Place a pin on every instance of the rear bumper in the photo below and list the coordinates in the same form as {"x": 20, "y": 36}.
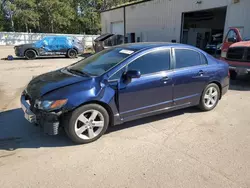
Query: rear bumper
{"x": 49, "y": 121}
{"x": 246, "y": 69}
{"x": 224, "y": 90}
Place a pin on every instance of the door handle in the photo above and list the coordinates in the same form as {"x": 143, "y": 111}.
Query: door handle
{"x": 201, "y": 73}
{"x": 165, "y": 78}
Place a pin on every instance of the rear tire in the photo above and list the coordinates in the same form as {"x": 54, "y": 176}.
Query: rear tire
{"x": 30, "y": 54}
{"x": 72, "y": 53}
{"x": 210, "y": 97}
{"x": 87, "y": 123}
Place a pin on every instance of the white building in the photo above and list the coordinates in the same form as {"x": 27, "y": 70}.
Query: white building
{"x": 187, "y": 21}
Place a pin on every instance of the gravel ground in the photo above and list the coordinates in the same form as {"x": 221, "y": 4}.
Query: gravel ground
{"x": 186, "y": 148}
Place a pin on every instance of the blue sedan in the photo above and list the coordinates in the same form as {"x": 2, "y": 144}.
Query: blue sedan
{"x": 121, "y": 84}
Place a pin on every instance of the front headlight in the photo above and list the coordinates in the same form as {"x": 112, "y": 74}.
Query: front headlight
{"x": 50, "y": 105}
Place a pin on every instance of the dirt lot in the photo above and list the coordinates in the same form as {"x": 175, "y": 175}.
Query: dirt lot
{"x": 180, "y": 149}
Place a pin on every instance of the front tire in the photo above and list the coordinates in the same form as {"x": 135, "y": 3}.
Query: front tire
{"x": 210, "y": 97}
{"x": 30, "y": 54}
{"x": 87, "y": 123}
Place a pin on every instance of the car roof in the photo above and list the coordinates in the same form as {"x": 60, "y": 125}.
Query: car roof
{"x": 58, "y": 36}
{"x": 150, "y": 45}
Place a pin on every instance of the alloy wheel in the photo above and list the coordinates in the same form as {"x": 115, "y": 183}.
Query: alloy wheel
{"x": 89, "y": 124}
{"x": 211, "y": 97}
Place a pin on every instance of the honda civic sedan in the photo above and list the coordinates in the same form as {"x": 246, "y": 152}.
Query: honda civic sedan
{"x": 121, "y": 84}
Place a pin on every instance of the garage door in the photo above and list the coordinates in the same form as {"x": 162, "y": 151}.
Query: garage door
{"x": 117, "y": 28}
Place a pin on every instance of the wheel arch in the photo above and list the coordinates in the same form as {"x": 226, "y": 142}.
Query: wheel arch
{"x": 105, "y": 106}
{"x": 75, "y": 49}
{"x": 30, "y": 49}
{"x": 218, "y": 84}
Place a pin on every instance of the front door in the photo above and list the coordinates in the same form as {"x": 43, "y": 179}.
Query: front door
{"x": 152, "y": 91}
{"x": 191, "y": 74}
{"x": 46, "y": 46}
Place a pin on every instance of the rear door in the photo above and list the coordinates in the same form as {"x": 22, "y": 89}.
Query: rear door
{"x": 60, "y": 45}
{"x": 232, "y": 36}
{"x": 191, "y": 75}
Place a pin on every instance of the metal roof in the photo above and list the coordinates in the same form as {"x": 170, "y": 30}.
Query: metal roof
{"x": 125, "y": 5}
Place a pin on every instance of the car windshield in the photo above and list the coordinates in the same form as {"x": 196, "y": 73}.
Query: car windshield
{"x": 101, "y": 62}
{"x": 76, "y": 40}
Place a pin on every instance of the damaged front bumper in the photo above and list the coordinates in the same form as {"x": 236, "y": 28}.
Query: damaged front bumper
{"x": 49, "y": 121}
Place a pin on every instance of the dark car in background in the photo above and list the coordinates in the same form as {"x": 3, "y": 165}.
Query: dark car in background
{"x": 121, "y": 84}
{"x": 50, "y": 46}
{"x": 107, "y": 40}
{"x": 213, "y": 49}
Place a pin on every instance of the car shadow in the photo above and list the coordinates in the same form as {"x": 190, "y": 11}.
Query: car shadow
{"x": 242, "y": 83}
{"x": 16, "y": 132}
{"x": 85, "y": 55}
{"x": 150, "y": 119}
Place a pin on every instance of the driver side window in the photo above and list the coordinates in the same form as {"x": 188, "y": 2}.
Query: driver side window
{"x": 152, "y": 62}
{"x": 149, "y": 63}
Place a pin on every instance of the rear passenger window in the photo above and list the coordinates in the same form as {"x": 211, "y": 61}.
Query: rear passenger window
{"x": 187, "y": 58}
{"x": 203, "y": 59}
{"x": 152, "y": 62}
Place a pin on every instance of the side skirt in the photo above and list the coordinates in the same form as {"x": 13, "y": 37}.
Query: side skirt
{"x": 155, "y": 112}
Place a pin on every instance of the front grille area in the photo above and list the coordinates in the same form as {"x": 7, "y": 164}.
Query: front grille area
{"x": 248, "y": 54}
{"x": 236, "y": 53}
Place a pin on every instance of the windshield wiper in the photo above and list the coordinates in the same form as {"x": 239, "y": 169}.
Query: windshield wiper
{"x": 77, "y": 72}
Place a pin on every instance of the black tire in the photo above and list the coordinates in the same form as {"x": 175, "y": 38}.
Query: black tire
{"x": 70, "y": 121}
{"x": 233, "y": 75}
{"x": 203, "y": 101}
{"x": 30, "y": 54}
{"x": 72, "y": 53}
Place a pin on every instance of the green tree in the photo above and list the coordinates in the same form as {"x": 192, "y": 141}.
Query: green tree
{"x": 25, "y": 14}
{"x": 56, "y": 15}
{"x": 2, "y": 20}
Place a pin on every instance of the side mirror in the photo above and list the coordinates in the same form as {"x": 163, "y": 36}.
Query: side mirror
{"x": 233, "y": 40}
{"x": 127, "y": 76}
{"x": 132, "y": 74}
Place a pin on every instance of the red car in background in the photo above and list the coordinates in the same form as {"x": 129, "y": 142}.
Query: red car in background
{"x": 236, "y": 52}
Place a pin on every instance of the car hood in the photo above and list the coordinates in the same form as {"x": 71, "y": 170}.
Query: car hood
{"x": 48, "y": 82}
{"x": 241, "y": 44}
{"x": 25, "y": 45}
